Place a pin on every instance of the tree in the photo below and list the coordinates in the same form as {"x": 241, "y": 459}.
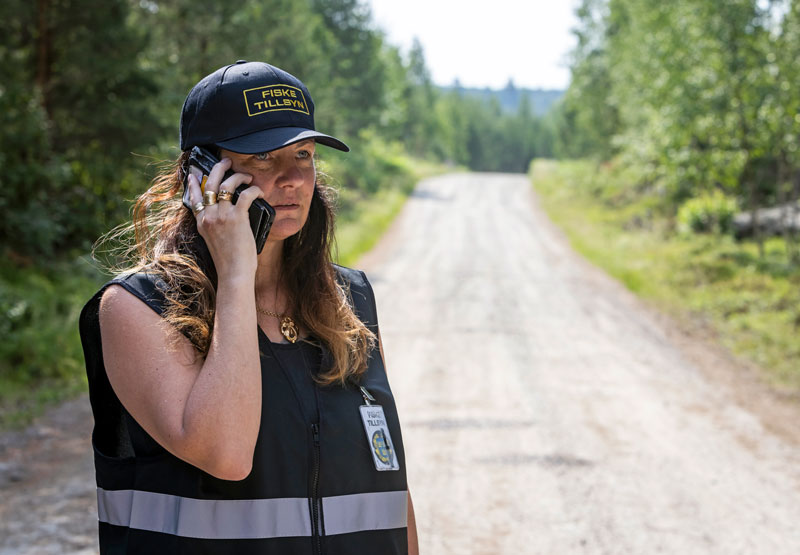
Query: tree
{"x": 420, "y": 134}
{"x": 76, "y": 103}
{"x": 588, "y": 116}
{"x": 354, "y": 75}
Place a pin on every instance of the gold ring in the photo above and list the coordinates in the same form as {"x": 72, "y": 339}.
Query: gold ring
{"x": 224, "y": 195}
{"x": 198, "y": 207}
{"x": 209, "y": 198}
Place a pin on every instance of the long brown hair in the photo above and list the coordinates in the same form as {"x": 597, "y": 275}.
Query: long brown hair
{"x": 162, "y": 239}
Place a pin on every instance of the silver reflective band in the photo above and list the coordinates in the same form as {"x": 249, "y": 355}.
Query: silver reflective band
{"x": 365, "y": 511}
{"x": 204, "y": 518}
{"x": 248, "y": 518}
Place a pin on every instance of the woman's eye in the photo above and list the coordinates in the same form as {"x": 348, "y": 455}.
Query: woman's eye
{"x": 304, "y": 154}
{"x": 262, "y": 156}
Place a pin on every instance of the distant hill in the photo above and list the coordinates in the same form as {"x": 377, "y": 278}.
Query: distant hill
{"x": 510, "y": 96}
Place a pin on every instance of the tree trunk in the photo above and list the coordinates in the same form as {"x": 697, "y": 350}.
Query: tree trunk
{"x": 783, "y": 200}
{"x": 44, "y": 48}
{"x": 794, "y": 199}
{"x": 757, "y": 235}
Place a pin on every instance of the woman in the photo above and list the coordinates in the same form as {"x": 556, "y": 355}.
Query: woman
{"x": 240, "y": 398}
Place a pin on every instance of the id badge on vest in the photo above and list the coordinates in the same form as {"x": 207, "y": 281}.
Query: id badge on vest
{"x": 379, "y": 439}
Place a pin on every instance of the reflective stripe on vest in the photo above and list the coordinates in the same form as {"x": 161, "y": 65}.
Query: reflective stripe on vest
{"x": 249, "y": 518}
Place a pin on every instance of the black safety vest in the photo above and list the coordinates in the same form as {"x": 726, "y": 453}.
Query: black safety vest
{"x": 314, "y": 487}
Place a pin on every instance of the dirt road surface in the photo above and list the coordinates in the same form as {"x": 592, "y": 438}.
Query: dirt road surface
{"x": 544, "y": 409}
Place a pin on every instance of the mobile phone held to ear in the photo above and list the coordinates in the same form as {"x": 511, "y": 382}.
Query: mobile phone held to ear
{"x": 200, "y": 162}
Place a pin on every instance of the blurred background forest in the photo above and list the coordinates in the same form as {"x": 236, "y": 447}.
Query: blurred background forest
{"x": 680, "y": 123}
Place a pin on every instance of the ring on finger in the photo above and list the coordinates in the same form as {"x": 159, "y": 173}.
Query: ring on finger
{"x": 209, "y": 198}
{"x": 198, "y": 207}
{"x": 224, "y": 195}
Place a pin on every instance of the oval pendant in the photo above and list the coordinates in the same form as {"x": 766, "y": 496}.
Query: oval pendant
{"x": 289, "y": 329}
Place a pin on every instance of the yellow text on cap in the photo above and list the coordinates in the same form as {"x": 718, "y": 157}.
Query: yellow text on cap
{"x": 274, "y": 97}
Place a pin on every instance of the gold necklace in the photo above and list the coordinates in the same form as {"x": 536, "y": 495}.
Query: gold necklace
{"x": 288, "y": 327}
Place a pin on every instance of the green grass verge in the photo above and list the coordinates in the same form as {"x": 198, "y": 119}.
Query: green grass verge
{"x": 365, "y": 222}
{"x": 753, "y": 303}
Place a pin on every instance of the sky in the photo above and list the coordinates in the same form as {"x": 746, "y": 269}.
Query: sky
{"x": 485, "y": 43}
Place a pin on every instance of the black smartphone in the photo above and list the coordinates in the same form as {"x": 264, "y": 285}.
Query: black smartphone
{"x": 201, "y": 161}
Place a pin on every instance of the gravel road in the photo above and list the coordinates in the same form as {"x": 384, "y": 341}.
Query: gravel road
{"x": 545, "y": 410}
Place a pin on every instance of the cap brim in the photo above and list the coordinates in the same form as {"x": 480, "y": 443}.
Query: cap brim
{"x": 279, "y": 137}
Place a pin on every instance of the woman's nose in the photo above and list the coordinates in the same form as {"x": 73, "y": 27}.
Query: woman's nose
{"x": 289, "y": 174}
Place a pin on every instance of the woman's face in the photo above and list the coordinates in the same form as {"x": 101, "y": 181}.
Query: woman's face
{"x": 287, "y": 177}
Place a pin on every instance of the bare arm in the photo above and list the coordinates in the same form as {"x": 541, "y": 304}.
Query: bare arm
{"x": 413, "y": 542}
{"x": 206, "y": 412}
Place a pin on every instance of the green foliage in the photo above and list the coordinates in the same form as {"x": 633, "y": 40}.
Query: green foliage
{"x": 586, "y": 118}
{"x": 698, "y": 96}
{"x": 752, "y": 301}
{"x": 377, "y": 164}
{"x": 40, "y": 307}
{"x": 354, "y": 74}
{"x": 709, "y": 213}
{"x": 510, "y": 97}
{"x": 41, "y": 359}
{"x": 62, "y": 156}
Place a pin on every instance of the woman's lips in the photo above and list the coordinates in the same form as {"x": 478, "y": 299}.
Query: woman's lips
{"x": 285, "y": 206}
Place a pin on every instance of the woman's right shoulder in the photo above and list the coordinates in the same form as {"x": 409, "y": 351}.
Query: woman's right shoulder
{"x": 131, "y": 290}
{"x": 123, "y": 309}
{"x": 130, "y": 313}
{"x": 115, "y": 298}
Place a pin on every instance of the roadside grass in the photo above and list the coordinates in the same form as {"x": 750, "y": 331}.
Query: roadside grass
{"x": 41, "y": 358}
{"x": 752, "y": 304}
{"x": 364, "y": 222}
{"x": 380, "y": 176}
{"x": 363, "y": 218}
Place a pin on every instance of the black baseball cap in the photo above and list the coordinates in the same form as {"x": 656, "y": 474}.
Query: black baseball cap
{"x": 250, "y": 107}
